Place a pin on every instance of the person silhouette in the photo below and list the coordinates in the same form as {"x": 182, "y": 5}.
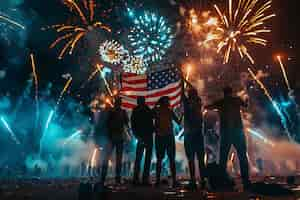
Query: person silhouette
{"x": 231, "y": 128}
{"x": 193, "y": 137}
{"x": 165, "y": 139}
{"x": 117, "y": 120}
{"x": 143, "y": 128}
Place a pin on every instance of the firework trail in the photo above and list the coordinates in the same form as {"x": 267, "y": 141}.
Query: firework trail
{"x": 11, "y": 21}
{"x": 104, "y": 79}
{"x": 66, "y": 87}
{"x": 36, "y": 89}
{"x": 93, "y": 74}
{"x": 260, "y": 136}
{"x": 284, "y": 73}
{"x": 12, "y": 134}
{"x": 93, "y": 159}
{"x": 49, "y": 119}
{"x": 73, "y": 33}
{"x": 73, "y": 136}
{"x": 241, "y": 26}
{"x": 274, "y": 104}
{"x": 53, "y": 111}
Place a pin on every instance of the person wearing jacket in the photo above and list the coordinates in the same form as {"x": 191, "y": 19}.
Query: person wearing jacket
{"x": 143, "y": 129}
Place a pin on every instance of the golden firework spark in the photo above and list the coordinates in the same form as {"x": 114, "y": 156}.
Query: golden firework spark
{"x": 98, "y": 66}
{"x": 243, "y": 25}
{"x": 35, "y": 77}
{"x": 66, "y": 87}
{"x": 284, "y": 73}
{"x": 73, "y": 33}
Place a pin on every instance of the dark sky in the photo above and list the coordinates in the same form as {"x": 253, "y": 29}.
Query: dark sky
{"x": 286, "y": 31}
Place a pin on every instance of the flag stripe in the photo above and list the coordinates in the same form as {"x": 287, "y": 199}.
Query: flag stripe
{"x": 158, "y": 92}
{"x": 152, "y": 86}
{"x": 152, "y": 101}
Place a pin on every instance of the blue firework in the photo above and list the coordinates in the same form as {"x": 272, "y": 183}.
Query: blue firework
{"x": 150, "y": 37}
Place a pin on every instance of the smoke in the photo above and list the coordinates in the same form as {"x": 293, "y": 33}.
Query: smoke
{"x": 44, "y": 147}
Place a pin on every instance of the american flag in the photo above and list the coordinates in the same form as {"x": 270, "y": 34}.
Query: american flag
{"x": 152, "y": 86}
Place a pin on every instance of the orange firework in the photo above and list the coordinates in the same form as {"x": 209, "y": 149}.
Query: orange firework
{"x": 73, "y": 33}
{"x": 242, "y": 25}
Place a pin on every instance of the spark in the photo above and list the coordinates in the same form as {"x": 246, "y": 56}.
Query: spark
{"x": 150, "y": 37}
{"x": 92, "y": 75}
{"x": 284, "y": 73}
{"x": 135, "y": 65}
{"x": 49, "y": 119}
{"x": 104, "y": 79}
{"x": 36, "y": 86}
{"x": 67, "y": 85}
{"x": 188, "y": 72}
{"x": 11, "y": 21}
{"x": 260, "y": 136}
{"x": 242, "y": 26}
{"x": 93, "y": 159}
{"x": 112, "y": 52}
{"x": 203, "y": 29}
{"x": 73, "y": 33}
{"x": 274, "y": 104}
{"x": 73, "y": 136}
{"x": 12, "y": 134}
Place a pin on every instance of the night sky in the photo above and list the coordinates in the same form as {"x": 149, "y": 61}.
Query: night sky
{"x": 285, "y": 38}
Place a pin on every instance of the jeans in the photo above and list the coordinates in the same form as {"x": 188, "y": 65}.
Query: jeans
{"x": 165, "y": 144}
{"x": 236, "y": 138}
{"x": 147, "y": 146}
{"x": 118, "y": 144}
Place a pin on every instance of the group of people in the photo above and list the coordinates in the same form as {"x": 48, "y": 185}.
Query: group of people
{"x": 146, "y": 122}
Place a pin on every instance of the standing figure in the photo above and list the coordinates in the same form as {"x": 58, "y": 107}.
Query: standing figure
{"x": 231, "y": 128}
{"x": 165, "y": 139}
{"x": 143, "y": 128}
{"x": 193, "y": 136}
{"x": 117, "y": 119}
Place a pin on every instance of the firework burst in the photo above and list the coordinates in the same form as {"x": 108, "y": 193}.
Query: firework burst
{"x": 241, "y": 26}
{"x": 150, "y": 37}
{"x": 135, "y": 65}
{"x": 112, "y": 52}
{"x": 72, "y": 33}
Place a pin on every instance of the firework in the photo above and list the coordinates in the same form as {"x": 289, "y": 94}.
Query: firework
{"x": 92, "y": 75}
{"x": 135, "y": 65}
{"x": 67, "y": 85}
{"x": 93, "y": 159}
{"x": 203, "y": 27}
{"x": 73, "y": 33}
{"x": 284, "y": 73}
{"x": 260, "y": 136}
{"x": 241, "y": 26}
{"x": 11, "y": 21}
{"x": 274, "y": 103}
{"x": 150, "y": 37}
{"x": 104, "y": 79}
{"x": 112, "y": 52}
{"x": 36, "y": 86}
{"x": 73, "y": 136}
{"x": 12, "y": 134}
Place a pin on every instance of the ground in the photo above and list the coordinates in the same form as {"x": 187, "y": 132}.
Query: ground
{"x": 59, "y": 189}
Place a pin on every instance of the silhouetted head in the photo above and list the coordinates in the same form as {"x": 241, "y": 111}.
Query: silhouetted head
{"x": 141, "y": 100}
{"x": 164, "y": 101}
{"x": 227, "y": 91}
{"x": 118, "y": 102}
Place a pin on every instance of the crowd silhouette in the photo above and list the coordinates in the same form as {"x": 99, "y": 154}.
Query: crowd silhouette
{"x": 153, "y": 128}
